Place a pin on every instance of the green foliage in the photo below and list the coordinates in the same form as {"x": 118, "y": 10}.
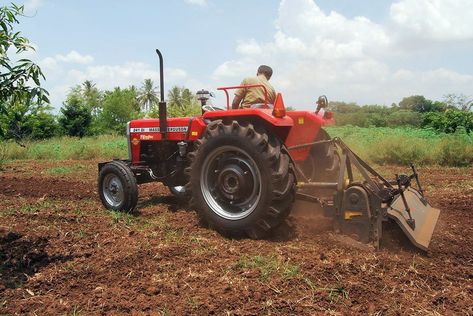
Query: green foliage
{"x": 147, "y": 97}
{"x": 119, "y": 107}
{"x": 22, "y": 121}
{"x": 268, "y": 266}
{"x": 76, "y": 116}
{"x": 373, "y": 115}
{"x": 449, "y": 121}
{"x": 19, "y": 79}
{"x": 91, "y": 96}
{"x": 41, "y": 125}
{"x": 419, "y": 103}
{"x": 181, "y": 103}
{"x": 66, "y": 148}
{"x": 400, "y": 146}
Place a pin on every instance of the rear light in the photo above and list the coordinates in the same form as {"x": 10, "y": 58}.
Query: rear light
{"x": 279, "y": 110}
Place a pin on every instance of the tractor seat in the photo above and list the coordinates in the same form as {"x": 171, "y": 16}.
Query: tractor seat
{"x": 261, "y": 106}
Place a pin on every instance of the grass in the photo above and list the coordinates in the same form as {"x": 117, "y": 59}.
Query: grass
{"x": 124, "y": 218}
{"x": 65, "y": 170}
{"x": 379, "y": 145}
{"x": 67, "y": 148}
{"x": 268, "y": 267}
{"x": 401, "y": 146}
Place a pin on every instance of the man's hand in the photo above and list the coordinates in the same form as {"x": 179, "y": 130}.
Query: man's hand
{"x": 236, "y": 102}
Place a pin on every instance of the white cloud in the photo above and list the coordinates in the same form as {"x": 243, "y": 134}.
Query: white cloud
{"x": 75, "y": 57}
{"x": 313, "y": 52}
{"x": 201, "y": 3}
{"x": 440, "y": 20}
{"x": 132, "y": 73}
{"x": 62, "y": 76}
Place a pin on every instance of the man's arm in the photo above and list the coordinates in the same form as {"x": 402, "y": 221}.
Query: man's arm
{"x": 239, "y": 96}
{"x": 236, "y": 101}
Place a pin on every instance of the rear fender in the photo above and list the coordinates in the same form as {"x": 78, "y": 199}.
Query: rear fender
{"x": 306, "y": 127}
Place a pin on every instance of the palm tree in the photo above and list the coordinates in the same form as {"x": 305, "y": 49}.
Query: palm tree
{"x": 175, "y": 97}
{"x": 147, "y": 96}
{"x": 92, "y": 96}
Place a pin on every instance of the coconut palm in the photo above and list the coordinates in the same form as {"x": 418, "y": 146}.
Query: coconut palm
{"x": 92, "y": 96}
{"x": 147, "y": 95}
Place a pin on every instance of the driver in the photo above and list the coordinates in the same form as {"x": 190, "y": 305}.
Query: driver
{"x": 246, "y": 97}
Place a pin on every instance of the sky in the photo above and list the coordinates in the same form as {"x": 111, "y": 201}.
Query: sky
{"x": 363, "y": 51}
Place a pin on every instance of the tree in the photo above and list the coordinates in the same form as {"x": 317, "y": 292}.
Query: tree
{"x": 19, "y": 79}
{"x": 417, "y": 103}
{"x": 181, "y": 102}
{"x": 20, "y": 121}
{"x": 76, "y": 116}
{"x": 458, "y": 101}
{"x": 119, "y": 107}
{"x": 92, "y": 97}
{"x": 147, "y": 96}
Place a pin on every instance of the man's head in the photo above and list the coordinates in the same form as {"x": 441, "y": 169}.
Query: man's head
{"x": 265, "y": 70}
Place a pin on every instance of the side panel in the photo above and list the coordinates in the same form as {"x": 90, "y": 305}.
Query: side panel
{"x": 306, "y": 127}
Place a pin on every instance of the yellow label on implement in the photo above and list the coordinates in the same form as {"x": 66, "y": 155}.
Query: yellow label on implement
{"x": 300, "y": 120}
{"x": 194, "y": 133}
{"x": 351, "y": 214}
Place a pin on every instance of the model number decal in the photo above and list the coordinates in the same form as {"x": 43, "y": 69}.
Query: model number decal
{"x": 170, "y": 129}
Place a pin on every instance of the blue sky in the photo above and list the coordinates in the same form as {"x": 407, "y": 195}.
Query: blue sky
{"x": 362, "y": 51}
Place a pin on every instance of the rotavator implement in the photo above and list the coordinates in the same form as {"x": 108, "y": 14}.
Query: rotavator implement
{"x": 243, "y": 169}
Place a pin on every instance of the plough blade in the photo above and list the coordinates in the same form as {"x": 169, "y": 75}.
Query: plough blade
{"x": 425, "y": 217}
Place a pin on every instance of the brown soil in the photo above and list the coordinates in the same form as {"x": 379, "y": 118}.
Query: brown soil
{"x": 62, "y": 253}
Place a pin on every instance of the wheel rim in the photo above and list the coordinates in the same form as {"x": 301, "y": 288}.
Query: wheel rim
{"x": 230, "y": 183}
{"x": 179, "y": 189}
{"x": 112, "y": 189}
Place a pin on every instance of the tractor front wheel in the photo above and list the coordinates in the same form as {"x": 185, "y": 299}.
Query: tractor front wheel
{"x": 242, "y": 180}
{"x": 117, "y": 187}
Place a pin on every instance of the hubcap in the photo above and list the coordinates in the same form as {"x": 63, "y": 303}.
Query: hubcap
{"x": 231, "y": 182}
{"x": 113, "y": 190}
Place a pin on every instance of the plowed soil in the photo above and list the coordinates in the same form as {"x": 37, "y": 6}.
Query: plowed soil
{"x": 62, "y": 253}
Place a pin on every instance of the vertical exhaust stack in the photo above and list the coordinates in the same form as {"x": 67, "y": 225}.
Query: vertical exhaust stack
{"x": 162, "y": 104}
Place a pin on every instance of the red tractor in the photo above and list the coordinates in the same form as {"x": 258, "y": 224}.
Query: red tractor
{"x": 240, "y": 170}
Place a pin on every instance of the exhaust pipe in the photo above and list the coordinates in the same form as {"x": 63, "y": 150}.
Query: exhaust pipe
{"x": 162, "y": 104}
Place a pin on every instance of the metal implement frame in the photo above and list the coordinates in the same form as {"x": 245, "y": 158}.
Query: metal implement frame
{"x": 381, "y": 195}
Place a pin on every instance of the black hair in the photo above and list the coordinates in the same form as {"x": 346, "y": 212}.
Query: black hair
{"x": 266, "y": 71}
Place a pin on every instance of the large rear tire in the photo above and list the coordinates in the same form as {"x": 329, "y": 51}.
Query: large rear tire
{"x": 242, "y": 180}
{"x": 117, "y": 187}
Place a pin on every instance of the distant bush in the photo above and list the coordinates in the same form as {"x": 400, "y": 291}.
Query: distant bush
{"x": 449, "y": 121}
{"x": 75, "y": 117}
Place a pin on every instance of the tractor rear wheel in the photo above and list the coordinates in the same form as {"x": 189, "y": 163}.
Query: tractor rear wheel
{"x": 117, "y": 187}
{"x": 242, "y": 180}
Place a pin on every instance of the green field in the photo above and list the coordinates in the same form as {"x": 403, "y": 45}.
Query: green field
{"x": 400, "y": 146}
{"x": 397, "y": 146}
